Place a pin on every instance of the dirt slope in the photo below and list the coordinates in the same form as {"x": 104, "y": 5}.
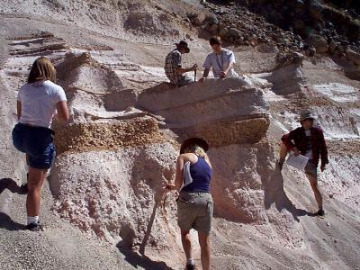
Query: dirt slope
{"x": 103, "y": 206}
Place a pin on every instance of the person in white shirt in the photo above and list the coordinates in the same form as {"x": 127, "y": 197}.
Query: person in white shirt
{"x": 37, "y": 103}
{"x": 221, "y": 61}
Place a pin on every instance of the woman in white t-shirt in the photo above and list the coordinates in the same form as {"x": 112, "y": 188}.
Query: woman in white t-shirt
{"x": 38, "y": 101}
{"x": 221, "y": 61}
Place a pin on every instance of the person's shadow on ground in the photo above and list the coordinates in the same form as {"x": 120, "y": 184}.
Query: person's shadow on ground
{"x": 275, "y": 193}
{"x": 137, "y": 260}
{"x": 5, "y": 221}
{"x": 10, "y": 184}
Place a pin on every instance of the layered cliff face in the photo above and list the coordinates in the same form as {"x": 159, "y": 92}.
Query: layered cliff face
{"x": 120, "y": 146}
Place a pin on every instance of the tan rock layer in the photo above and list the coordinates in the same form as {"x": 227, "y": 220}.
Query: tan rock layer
{"x": 83, "y": 137}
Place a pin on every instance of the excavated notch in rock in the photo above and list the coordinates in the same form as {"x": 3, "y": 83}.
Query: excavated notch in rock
{"x": 235, "y": 131}
{"x": 106, "y": 136}
{"x": 222, "y": 111}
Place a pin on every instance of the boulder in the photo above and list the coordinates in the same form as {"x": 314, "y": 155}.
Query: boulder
{"x": 353, "y": 56}
{"x": 319, "y": 43}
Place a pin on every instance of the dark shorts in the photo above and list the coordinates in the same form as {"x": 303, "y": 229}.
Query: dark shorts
{"x": 195, "y": 210}
{"x": 311, "y": 169}
{"x": 37, "y": 143}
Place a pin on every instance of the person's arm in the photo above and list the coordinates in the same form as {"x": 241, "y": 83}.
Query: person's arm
{"x": 62, "y": 111}
{"x": 323, "y": 152}
{"x": 228, "y": 68}
{"x": 181, "y": 70}
{"x": 179, "y": 172}
{"x": 18, "y": 109}
{"x": 224, "y": 73}
{"x": 205, "y": 74}
{"x": 176, "y": 185}
{"x": 177, "y": 64}
{"x": 287, "y": 140}
{"x": 207, "y": 66}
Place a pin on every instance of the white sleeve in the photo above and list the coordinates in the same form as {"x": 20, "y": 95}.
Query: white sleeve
{"x": 19, "y": 95}
{"x": 60, "y": 95}
{"x": 231, "y": 57}
{"x": 207, "y": 62}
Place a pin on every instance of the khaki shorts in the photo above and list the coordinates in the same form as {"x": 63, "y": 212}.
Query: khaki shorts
{"x": 195, "y": 210}
{"x": 311, "y": 169}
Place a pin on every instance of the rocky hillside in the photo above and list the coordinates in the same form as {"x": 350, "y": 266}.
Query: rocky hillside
{"x": 104, "y": 206}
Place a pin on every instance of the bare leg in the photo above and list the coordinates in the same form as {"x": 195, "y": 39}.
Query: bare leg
{"x": 315, "y": 188}
{"x": 204, "y": 241}
{"x": 185, "y": 238}
{"x": 34, "y": 183}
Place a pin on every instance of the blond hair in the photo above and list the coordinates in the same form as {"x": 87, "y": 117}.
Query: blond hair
{"x": 199, "y": 151}
{"x": 42, "y": 70}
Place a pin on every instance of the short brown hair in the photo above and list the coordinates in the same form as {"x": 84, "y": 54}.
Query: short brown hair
{"x": 41, "y": 70}
{"x": 215, "y": 40}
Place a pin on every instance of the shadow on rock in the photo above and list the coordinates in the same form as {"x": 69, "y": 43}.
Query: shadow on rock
{"x": 7, "y": 223}
{"x": 275, "y": 193}
{"x": 11, "y": 185}
{"x": 137, "y": 260}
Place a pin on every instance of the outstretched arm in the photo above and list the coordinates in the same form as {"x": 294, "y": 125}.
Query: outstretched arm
{"x": 205, "y": 74}
{"x": 176, "y": 185}
{"x": 62, "y": 111}
{"x": 181, "y": 70}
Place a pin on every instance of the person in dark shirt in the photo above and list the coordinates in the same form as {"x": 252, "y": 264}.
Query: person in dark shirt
{"x": 195, "y": 203}
{"x": 310, "y": 142}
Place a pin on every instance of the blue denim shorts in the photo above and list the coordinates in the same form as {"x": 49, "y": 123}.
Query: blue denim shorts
{"x": 37, "y": 143}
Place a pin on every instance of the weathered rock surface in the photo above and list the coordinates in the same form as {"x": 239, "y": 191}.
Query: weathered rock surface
{"x": 107, "y": 209}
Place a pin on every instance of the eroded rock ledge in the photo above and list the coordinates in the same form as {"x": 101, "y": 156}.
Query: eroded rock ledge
{"x": 83, "y": 137}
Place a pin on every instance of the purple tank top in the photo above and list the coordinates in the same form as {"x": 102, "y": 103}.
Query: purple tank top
{"x": 201, "y": 174}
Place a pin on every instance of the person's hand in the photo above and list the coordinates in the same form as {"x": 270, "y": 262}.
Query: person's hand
{"x": 194, "y": 67}
{"x": 296, "y": 151}
{"x": 170, "y": 187}
{"x": 322, "y": 167}
{"x": 222, "y": 74}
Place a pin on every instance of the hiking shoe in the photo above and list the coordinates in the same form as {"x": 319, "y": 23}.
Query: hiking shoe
{"x": 190, "y": 267}
{"x": 320, "y": 213}
{"x": 34, "y": 227}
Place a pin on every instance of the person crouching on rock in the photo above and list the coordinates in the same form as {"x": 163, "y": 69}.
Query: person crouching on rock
{"x": 310, "y": 142}
{"x": 37, "y": 102}
{"x": 221, "y": 61}
{"x": 173, "y": 65}
{"x": 195, "y": 204}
